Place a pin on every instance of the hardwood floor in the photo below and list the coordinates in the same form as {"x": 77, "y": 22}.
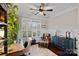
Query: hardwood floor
{"x": 56, "y": 51}
{"x": 60, "y": 52}
{"x": 17, "y": 53}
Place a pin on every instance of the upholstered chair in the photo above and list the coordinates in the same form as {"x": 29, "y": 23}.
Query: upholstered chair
{"x": 45, "y": 40}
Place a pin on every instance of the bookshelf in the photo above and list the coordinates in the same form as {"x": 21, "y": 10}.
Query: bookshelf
{"x": 3, "y": 27}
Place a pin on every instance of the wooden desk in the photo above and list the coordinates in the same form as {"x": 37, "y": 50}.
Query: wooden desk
{"x": 14, "y": 48}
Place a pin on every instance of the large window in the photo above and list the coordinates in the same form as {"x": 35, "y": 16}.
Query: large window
{"x": 33, "y": 29}
{"x": 29, "y": 28}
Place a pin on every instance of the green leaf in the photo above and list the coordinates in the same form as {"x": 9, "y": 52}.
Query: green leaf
{"x": 13, "y": 25}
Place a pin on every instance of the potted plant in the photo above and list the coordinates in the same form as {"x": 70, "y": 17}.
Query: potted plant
{"x": 13, "y": 23}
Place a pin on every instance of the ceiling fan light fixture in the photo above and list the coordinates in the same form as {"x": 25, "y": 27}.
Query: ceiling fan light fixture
{"x": 41, "y": 9}
{"x": 42, "y": 13}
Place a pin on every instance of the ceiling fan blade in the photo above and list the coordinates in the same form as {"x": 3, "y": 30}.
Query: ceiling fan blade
{"x": 44, "y": 14}
{"x": 36, "y": 13}
{"x": 33, "y": 9}
{"x": 49, "y": 10}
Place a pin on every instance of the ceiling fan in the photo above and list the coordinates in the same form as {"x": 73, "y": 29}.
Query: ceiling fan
{"x": 41, "y": 9}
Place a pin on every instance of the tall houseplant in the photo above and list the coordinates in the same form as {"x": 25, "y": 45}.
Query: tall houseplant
{"x": 12, "y": 21}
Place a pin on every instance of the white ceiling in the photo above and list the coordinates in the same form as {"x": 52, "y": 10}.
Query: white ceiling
{"x": 24, "y": 9}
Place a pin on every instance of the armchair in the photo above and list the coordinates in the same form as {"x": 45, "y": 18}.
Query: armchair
{"x": 45, "y": 40}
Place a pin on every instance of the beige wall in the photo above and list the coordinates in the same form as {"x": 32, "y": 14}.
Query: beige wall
{"x": 64, "y": 22}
